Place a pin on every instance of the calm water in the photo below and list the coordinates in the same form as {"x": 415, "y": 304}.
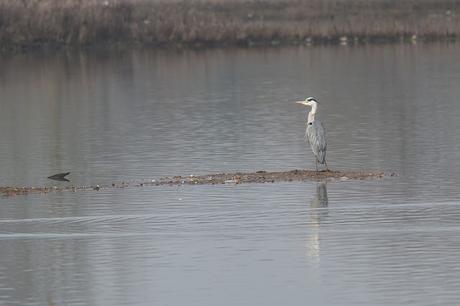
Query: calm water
{"x": 119, "y": 116}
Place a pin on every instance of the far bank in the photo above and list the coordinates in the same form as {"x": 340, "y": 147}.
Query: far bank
{"x": 224, "y": 22}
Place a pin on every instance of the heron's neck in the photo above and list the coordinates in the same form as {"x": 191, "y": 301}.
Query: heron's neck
{"x": 312, "y": 113}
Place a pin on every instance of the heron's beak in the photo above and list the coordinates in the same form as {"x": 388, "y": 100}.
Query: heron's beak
{"x": 302, "y": 102}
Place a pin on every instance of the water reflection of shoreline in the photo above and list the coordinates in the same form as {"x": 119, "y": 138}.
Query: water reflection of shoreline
{"x": 318, "y": 213}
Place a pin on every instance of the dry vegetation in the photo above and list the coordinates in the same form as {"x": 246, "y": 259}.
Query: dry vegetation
{"x": 193, "y": 22}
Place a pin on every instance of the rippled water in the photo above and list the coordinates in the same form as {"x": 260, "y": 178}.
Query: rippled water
{"x": 127, "y": 115}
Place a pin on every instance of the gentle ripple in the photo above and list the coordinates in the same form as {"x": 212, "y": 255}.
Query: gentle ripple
{"x": 139, "y": 114}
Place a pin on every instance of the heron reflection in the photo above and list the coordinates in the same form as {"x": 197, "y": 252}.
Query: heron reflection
{"x": 320, "y": 200}
{"x": 318, "y": 212}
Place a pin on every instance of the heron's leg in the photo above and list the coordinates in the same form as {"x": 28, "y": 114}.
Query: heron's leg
{"x": 327, "y": 168}
{"x": 316, "y": 164}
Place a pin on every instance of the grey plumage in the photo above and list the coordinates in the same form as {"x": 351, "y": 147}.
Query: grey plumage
{"x": 316, "y": 136}
{"x": 315, "y": 132}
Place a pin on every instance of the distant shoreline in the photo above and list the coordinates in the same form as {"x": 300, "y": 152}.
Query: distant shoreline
{"x": 192, "y": 23}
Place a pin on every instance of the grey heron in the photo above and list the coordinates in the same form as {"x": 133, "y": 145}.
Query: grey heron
{"x": 315, "y": 133}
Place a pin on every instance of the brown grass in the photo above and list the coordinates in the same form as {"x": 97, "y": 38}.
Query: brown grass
{"x": 185, "y": 22}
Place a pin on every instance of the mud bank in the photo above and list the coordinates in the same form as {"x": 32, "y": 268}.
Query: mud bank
{"x": 213, "y": 179}
{"x": 267, "y": 177}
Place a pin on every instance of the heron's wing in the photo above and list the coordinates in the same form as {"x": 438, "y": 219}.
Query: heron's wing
{"x": 316, "y": 135}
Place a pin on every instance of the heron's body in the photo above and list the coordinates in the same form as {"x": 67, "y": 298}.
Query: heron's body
{"x": 315, "y": 133}
{"x": 316, "y": 137}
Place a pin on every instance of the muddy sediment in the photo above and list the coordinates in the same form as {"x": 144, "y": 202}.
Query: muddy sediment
{"x": 213, "y": 179}
{"x": 267, "y": 177}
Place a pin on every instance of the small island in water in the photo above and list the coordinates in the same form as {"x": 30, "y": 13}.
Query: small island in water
{"x": 213, "y": 179}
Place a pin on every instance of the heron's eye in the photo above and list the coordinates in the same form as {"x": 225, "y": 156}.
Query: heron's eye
{"x": 310, "y": 123}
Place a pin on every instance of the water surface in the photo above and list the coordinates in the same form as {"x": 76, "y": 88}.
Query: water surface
{"x": 141, "y": 114}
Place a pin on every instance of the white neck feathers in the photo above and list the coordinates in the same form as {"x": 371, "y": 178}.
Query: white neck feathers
{"x": 312, "y": 113}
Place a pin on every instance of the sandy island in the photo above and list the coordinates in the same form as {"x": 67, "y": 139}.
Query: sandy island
{"x": 213, "y": 179}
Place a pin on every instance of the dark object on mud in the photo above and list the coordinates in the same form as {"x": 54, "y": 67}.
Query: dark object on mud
{"x": 212, "y": 179}
{"x": 59, "y": 177}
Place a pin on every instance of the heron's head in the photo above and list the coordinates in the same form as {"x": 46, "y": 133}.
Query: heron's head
{"x": 310, "y": 101}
